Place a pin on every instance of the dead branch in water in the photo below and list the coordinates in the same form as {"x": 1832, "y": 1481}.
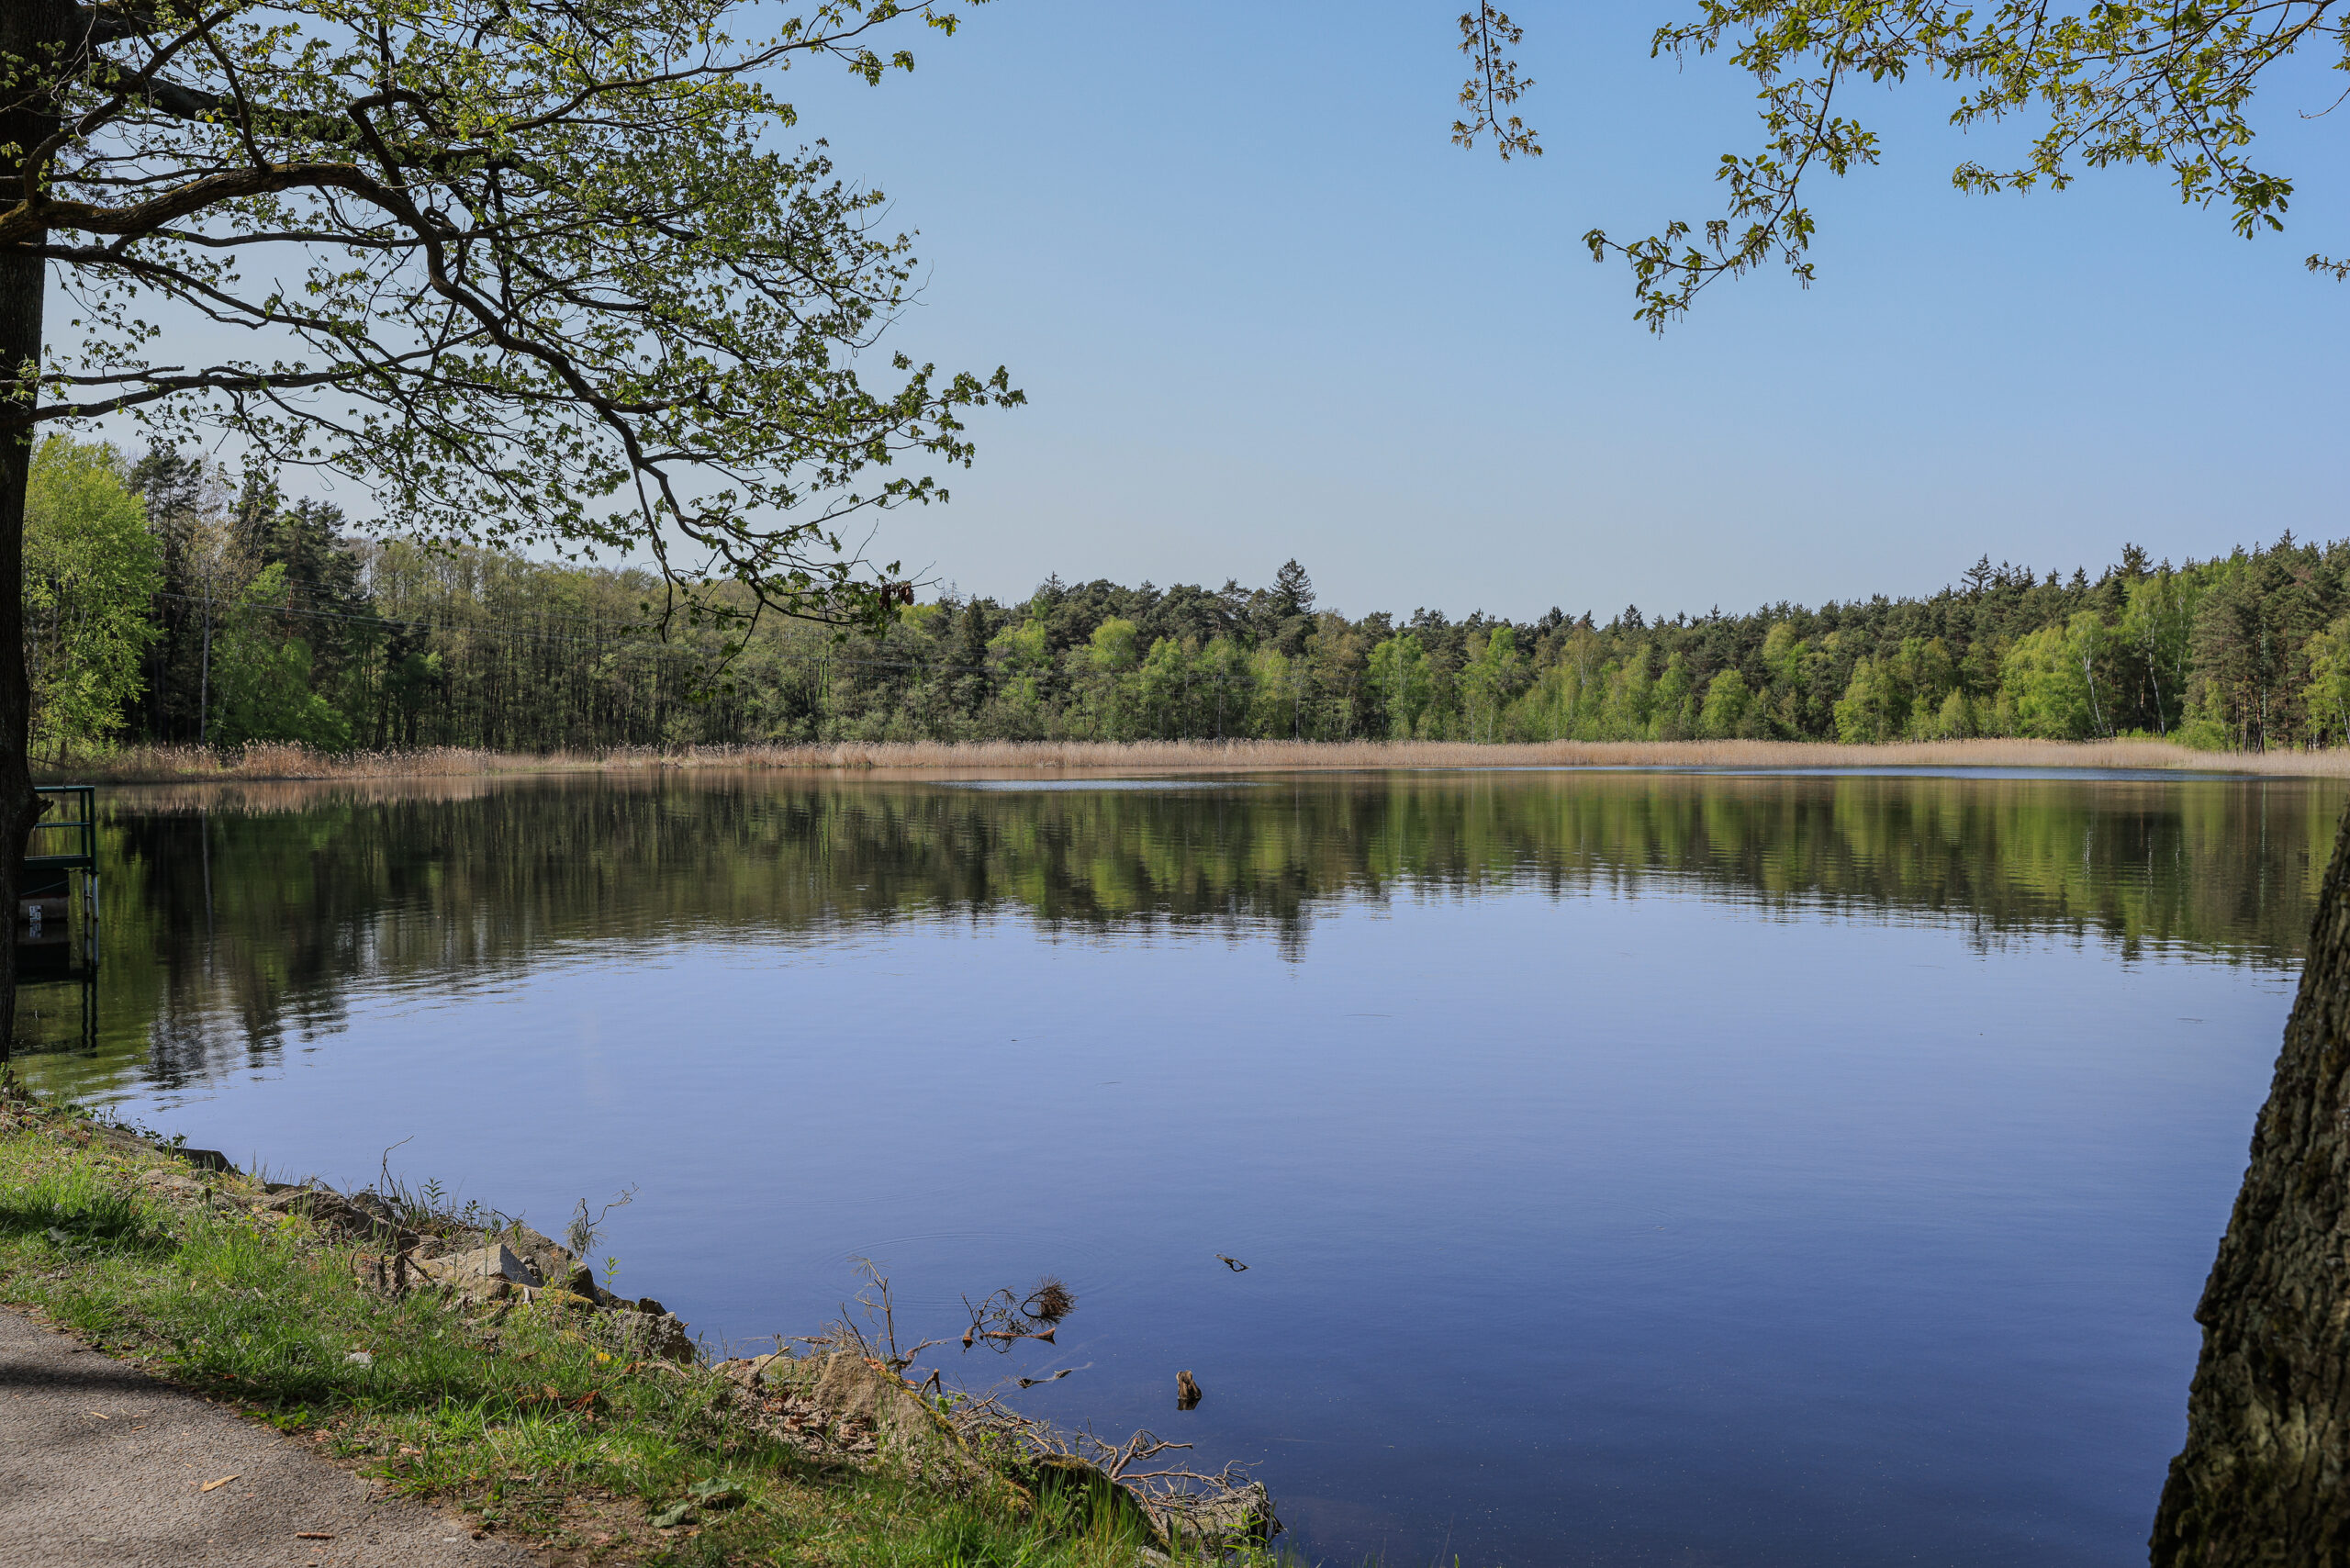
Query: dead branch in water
{"x": 1183, "y": 1502}
{"x": 1005, "y": 1318}
{"x": 882, "y": 1315}
{"x": 985, "y": 1415}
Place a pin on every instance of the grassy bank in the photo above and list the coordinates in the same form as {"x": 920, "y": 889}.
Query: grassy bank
{"x": 181, "y": 764}
{"x": 524, "y": 1413}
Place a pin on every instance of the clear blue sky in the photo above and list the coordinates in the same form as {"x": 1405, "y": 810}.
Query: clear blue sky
{"x": 1261, "y": 309}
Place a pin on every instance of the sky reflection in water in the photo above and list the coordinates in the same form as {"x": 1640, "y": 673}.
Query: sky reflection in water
{"x": 1631, "y": 1167}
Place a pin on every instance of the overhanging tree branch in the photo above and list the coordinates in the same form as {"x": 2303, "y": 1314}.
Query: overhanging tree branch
{"x": 534, "y": 256}
{"x": 2168, "y": 85}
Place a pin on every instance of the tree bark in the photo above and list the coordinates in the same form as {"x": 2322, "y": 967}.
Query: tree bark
{"x": 2264, "y": 1477}
{"x": 33, "y": 36}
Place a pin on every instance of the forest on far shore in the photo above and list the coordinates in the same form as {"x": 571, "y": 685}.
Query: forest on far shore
{"x": 165, "y": 603}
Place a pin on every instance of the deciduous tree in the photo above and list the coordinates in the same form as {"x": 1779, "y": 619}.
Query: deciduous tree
{"x": 2157, "y": 83}
{"x": 538, "y": 271}
{"x": 91, "y": 567}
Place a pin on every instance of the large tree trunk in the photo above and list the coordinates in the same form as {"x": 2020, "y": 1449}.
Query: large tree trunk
{"x": 18, "y": 807}
{"x": 32, "y": 35}
{"x": 2264, "y": 1477}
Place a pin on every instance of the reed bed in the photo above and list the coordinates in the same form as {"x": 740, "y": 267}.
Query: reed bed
{"x": 189, "y": 765}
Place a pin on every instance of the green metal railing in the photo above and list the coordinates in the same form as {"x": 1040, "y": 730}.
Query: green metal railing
{"x": 84, "y": 854}
{"x": 52, "y": 945}
{"x": 62, "y": 851}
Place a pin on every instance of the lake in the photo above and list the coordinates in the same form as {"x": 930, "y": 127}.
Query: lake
{"x": 1629, "y": 1167}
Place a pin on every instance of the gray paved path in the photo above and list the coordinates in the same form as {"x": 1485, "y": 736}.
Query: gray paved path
{"x": 100, "y": 1464}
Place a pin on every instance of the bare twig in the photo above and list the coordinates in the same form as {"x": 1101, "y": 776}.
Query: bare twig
{"x": 1004, "y": 1319}
{"x": 581, "y": 1234}
{"x": 882, "y": 1314}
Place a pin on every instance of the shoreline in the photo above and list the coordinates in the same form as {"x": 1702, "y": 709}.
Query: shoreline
{"x": 466, "y": 1360}
{"x": 294, "y": 764}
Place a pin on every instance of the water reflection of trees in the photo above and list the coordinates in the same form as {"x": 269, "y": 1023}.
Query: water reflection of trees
{"x": 239, "y": 916}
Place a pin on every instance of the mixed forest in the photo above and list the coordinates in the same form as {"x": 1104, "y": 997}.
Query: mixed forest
{"x": 168, "y": 601}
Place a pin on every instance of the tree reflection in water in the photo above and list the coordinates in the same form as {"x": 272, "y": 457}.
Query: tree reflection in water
{"x": 240, "y": 916}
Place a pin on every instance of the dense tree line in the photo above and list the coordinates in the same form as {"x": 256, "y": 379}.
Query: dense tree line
{"x": 165, "y": 603}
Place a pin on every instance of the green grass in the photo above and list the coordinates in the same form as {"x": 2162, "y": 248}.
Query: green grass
{"x": 527, "y": 1416}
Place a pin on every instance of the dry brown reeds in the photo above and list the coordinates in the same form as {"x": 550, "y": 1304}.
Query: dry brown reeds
{"x": 188, "y": 764}
{"x": 1050, "y": 1302}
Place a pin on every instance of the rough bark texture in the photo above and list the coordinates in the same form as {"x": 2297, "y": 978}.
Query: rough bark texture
{"x": 2262, "y": 1479}
{"x": 32, "y": 36}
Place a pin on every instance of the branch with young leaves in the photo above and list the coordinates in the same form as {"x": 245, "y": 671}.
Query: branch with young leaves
{"x": 1494, "y": 85}
{"x": 2167, "y": 86}
{"x": 529, "y": 270}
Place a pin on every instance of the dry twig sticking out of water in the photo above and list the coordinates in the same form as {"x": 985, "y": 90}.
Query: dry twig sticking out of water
{"x": 1006, "y": 1317}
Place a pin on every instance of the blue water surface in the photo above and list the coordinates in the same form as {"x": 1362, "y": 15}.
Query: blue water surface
{"x": 1826, "y": 1180}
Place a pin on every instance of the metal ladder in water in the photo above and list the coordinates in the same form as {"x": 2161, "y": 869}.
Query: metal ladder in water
{"x": 52, "y": 946}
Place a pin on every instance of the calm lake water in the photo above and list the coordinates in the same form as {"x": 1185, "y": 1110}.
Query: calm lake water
{"x": 1631, "y": 1167}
